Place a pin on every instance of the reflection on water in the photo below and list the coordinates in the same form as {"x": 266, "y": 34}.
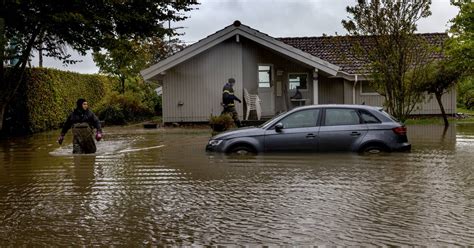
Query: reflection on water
{"x": 159, "y": 187}
{"x": 83, "y": 173}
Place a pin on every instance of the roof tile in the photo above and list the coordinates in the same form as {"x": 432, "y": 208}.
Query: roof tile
{"x": 339, "y": 50}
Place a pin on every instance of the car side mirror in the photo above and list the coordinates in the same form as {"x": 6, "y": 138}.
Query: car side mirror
{"x": 278, "y": 127}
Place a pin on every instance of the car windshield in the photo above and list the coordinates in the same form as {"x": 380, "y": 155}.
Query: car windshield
{"x": 267, "y": 122}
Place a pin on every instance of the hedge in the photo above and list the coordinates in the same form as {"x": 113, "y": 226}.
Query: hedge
{"x": 47, "y": 96}
{"x": 119, "y": 109}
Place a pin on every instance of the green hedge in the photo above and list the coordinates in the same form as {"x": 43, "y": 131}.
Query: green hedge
{"x": 119, "y": 109}
{"x": 47, "y": 96}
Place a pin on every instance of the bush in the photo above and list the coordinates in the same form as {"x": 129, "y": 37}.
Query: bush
{"x": 159, "y": 106}
{"x": 119, "y": 109}
{"x": 139, "y": 102}
{"x": 145, "y": 92}
{"x": 466, "y": 93}
{"x": 47, "y": 96}
{"x": 221, "y": 123}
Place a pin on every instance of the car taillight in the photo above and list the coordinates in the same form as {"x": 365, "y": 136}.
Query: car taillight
{"x": 400, "y": 130}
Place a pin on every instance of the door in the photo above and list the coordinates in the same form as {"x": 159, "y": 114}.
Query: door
{"x": 341, "y": 130}
{"x": 268, "y": 101}
{"x": 297, "y": 89}
{"x": 299, "y": 133}
{"x": 265, "y": 90}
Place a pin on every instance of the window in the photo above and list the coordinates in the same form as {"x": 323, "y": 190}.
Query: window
{"x": 303, "y": 118}
{"x": 368, "y": 117}
{"x": 366, "y": 88}
{"x": 389, "y": 115}
{"x": 336, "y": 117}
{"x": 264, "y": 76}
{"x": 298, "y": 80}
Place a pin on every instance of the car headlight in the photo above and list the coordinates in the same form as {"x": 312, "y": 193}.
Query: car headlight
{"x": 214, "y": 142}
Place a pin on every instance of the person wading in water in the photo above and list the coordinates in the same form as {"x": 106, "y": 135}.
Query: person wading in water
{"x": 82, "y": 121}
{"x": 228, "y": 98}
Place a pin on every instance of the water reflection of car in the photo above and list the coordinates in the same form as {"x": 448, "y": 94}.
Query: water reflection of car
{"x": 318, "y": 128}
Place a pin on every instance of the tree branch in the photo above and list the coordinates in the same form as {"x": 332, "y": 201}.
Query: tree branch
{"x": 19, "y": 69}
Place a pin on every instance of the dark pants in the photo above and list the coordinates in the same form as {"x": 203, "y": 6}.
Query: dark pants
{"x": 231, "y": 110}
{"x": 83, "y": 140}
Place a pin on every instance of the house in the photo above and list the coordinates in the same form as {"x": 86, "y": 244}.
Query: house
{"x": 321, "y": 67}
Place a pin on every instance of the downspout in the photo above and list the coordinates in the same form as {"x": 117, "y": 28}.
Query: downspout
{"x": 354, "y": 90}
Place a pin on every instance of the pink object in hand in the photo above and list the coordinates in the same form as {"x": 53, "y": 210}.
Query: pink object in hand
{"x": 60, "y": 139}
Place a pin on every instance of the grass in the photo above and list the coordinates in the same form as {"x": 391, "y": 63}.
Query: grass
{"x": 156, "y": 119}
{"x": 438, "y": 120}
{"x": 426, "y": 121}
{"x": 466, "y": 111}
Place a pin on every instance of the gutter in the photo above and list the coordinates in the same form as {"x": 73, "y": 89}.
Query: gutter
{"x": 354, "y": 90}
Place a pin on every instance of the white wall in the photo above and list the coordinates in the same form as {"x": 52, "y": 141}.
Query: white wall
{"x": 197, "y": 83}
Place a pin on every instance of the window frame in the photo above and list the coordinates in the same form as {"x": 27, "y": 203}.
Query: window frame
{"x": 363, "y": 111}
{"x": 323, "y": 120}
{"x": 270, "y": 75}
{"x": 307, "y": 80}
{"x": 318, "y": 123}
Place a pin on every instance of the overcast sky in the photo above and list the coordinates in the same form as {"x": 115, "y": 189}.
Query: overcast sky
{"x": 277, "y": 18}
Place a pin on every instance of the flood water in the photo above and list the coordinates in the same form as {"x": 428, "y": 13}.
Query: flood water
{"x": 159, "y": 187}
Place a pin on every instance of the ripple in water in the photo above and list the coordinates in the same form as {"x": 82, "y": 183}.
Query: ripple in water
{"x": 161, "y": 188}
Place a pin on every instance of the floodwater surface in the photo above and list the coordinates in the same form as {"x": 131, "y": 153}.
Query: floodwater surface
{"x": 159, "y": 187}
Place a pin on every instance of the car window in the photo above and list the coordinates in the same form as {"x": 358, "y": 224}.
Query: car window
{"x": 389, "y": 115}
{"x": 336, "y": 117}
{"x": 303, "y": 118}
{"x": 368, "y": 117}
{"x": 265, "y": 124}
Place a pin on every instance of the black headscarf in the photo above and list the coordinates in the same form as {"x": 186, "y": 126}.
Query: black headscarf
{"x": 79, "y": 103}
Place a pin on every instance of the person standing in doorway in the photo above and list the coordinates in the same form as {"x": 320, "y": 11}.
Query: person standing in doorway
{"x": 82, "y": 121}
{"x": 228, "y": 99}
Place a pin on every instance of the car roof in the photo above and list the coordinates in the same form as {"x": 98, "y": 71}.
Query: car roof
{"x": 339, "y": 106}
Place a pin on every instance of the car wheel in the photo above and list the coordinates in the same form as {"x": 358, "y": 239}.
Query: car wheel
{"x": 373, "y": 149}
{"x": 242, "y": 150}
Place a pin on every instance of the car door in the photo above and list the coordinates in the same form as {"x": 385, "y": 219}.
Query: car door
{"x": 299, "y": 132}
{"x": 341, "y": 129}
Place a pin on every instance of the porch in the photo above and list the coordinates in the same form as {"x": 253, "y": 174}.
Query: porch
{"x": 284, "y": 90}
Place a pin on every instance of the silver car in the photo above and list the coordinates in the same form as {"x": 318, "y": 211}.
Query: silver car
{"x": 318, "y": 128}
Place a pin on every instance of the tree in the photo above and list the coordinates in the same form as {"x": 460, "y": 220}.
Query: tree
{"x": 465, "y": 89}
{"x": 457, "y": 65}
{"x": 162, "y": 49}
{"x": 397, "y": 57}
{"x": 442, "y": 75}
{"x": 460, "y": 49}
{"x": 125, "y": 58}
{"x": 82, "y": 25}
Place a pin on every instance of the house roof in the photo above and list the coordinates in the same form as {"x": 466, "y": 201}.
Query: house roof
{"x": 339, "y": 50}
{"x": 331, "y": 54}
{"x": 230, "y": 31}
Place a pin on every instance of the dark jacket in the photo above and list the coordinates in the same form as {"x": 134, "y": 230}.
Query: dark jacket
{"x": 79, "y": 116}
{"x": 228, "y": 96}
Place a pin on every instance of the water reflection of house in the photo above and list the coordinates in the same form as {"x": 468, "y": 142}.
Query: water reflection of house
{"x": 323, "y": 67}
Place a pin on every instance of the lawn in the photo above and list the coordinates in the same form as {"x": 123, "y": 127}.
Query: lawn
{"x": 469, "y": 117}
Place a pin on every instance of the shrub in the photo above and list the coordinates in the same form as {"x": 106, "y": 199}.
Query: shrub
{"x": 466, "y": 93}
{"x": 221, "y": 123}
{"x": 47, "y": 96}
{"x": 119, "y": 109}
{"x": 145, "y": 92}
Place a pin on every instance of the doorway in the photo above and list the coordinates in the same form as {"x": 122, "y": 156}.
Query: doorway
{"x": 266, "y": 90}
